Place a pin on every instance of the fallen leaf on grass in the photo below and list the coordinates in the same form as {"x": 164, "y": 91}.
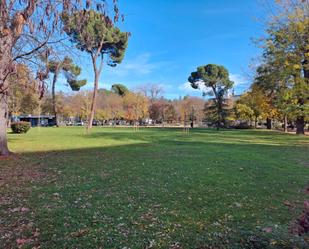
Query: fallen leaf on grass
{"x": 267, "y": 229}
{"x": 23, "y": 241}
{"x": 288, "y": 204}
{"x": 36, "y": 233}
{"x": 237, "y": 204}
{"x": 79, "y": 233}
{"x": 20, "y": 209}
{"x": 56, "y": 195}
{"x": 176, "y": 246}
{"x": 24, "y": 209}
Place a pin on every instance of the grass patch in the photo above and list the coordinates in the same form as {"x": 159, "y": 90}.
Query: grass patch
{"x": 155, "y": 188}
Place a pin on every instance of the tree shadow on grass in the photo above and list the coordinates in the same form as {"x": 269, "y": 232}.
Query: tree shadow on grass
{"x": 171, "y": 188}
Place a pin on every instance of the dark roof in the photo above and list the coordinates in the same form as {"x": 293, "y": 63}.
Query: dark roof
{"x": 36, "y": 116}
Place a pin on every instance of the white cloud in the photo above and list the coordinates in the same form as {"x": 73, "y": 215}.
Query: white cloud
{"x": 138, "y": 65}
{"x": 106, "y": 86}
{"x": 239, "y": 80}
{"x": 187, "y": 88}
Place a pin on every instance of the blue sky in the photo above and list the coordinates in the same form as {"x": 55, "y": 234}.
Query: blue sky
{"x": 170, "y": 38}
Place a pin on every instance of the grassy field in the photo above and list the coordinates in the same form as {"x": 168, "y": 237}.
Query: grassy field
{"x": 155, "y": 188}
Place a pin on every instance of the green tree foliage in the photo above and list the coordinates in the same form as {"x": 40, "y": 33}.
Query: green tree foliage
{"x": 29, "y": 103}
{"x": 244, "y": 112}
{"x": 284, "y": 75}
{"x": 119, "y": 89}
{"x": 96, "y": 34}
{"x": 71, "y": 72}
{"x": 255, "y": 105}
{"x": 216, "y": 78}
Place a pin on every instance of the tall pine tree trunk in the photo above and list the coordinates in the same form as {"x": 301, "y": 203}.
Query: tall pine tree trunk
{"x": 220, "y": 116}
{"x": 94, "y": 99}
{"x": 97, "y": 72}
{"x": 54, "y": 96}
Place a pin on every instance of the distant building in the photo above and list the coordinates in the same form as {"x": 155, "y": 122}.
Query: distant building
{"x": 38, "y": 120}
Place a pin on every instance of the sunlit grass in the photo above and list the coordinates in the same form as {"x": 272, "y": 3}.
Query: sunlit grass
{"x": 118, "y": 188}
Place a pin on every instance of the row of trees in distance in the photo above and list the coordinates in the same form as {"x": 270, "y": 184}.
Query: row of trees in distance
{"x": 115, "y": 104}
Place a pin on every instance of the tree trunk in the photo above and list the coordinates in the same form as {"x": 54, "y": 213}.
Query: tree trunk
{"x": 300, "y": 121}
{"x": 94, "y": 98}
{"x": 4, "y": 151}
{"x": 268, "y": 123}
{"x": 54, "y": 96}
{"x": 5, "y": 70}
{"x": 300, "y": 125}
{"x": 255, "y": 122}
{"x": 7, "y": 42}
{"x": 285, "y": 123}
{"x": 218, "y": 117}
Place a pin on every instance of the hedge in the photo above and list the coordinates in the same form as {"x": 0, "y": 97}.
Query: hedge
{"x": 20, "y": 127}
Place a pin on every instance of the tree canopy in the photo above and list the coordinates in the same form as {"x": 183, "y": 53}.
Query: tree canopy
{"x": 119, "y": 89}
{"x": 95, "y": 33}
{"x": 284, "y": 73}
{"x": 215, "y": 78}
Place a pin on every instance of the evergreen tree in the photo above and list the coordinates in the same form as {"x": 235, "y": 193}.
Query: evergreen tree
{"x": 216, "y": 78}
{"x": 96, "y": 34}
{"x": 119, "y": 89}
{"x": 71, "y": 71}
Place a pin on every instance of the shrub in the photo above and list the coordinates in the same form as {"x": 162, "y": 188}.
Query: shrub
{"x": 20, "y": 127}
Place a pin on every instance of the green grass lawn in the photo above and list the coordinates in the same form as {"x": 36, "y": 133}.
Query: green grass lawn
{"x": 155, "y": 188}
